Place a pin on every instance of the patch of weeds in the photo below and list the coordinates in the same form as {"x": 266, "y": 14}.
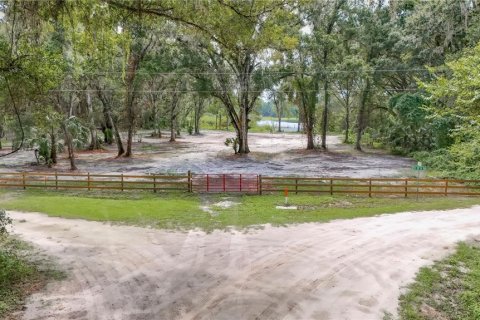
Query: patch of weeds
{"x": 22, "y": 271}
{"x": 450, "y": 289}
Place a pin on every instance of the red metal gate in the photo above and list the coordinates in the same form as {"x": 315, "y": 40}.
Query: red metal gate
{"x": 247, "y": 183}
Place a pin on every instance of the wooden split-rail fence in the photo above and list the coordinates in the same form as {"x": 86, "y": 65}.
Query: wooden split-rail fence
{"x": 243, "y": 183}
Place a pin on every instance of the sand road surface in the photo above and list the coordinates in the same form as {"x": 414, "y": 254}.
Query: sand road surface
{"x": 345, "y": 269}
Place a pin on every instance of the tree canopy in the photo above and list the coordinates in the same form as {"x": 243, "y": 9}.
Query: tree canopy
{"x": 400, "y": 73}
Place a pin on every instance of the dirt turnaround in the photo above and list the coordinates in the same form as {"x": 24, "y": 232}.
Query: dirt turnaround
{"x": 345, "y": 269}
{"x": 272, "y": 154}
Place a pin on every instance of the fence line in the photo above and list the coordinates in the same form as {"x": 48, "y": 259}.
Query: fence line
{"x": 372, "y": 186}
{"x": 243, "y": 183}
{"x": 90, "y": 181}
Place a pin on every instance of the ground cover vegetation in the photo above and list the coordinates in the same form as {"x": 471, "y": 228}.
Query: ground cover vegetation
{"x": 450, "y": 289}
{"x": 400, "y": 74}
{"x": 21, "y": 272}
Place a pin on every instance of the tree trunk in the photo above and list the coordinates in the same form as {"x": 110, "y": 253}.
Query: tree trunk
{"x": 69, "y": 143}
{"x": 133, "y": 62}
{"x": 118, "y": 138}
{"x": 243, "y": 132}
{"x": 361, "y": 116}
{"x": 325, "y": 115}
{"x": 109, "y": 120}
{"x": 53, "y": 148}
{"x": 347, "y": 119}
{"x": 172, "y": 129}
{"x": 129, "y": 151}
{"x": 310, "y": 142}
{"x": 278, "y": 110}
{"x": 196, "y": 121}
{"x": 108, "y": 138}
{"x": 93, "y": 130}
{"x": 244, "y": 104}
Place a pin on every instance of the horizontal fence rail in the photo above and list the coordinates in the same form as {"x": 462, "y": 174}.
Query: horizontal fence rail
{"x": 243, "y": 183}
{"x": 89, "y": 181}
{"x": 372, "y": 186}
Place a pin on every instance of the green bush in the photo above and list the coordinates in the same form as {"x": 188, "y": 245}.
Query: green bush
{"x": 458, "y": 161}
{"x": 14, "y": 271}
{"x": 5, "y": 222}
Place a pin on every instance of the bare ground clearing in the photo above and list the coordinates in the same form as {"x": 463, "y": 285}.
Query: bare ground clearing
{"x": 345, "y": 269}
{"x": 272, "y": 154}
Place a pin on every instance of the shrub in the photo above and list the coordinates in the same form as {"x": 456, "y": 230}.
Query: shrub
{"x": 5, "y": 222}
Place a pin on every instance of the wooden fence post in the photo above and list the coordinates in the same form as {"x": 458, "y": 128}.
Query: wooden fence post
{"x": 122, "y": 181}
{"x": 155, "y": 184}
{"x": 296, "y": 186}
{"x": 370, "y": 188}
{"x": 446, "y": 188}
{"x": 259, "y": 184}
{"x": 24, "y": 181}
{"x": 406, "y": 187}
{"x": 240, "y": 182}
{"x": 56, "y": 180}
{"x": 331, "y": 187}
{"x": 223, "y": 177}
{"x": 88, "y": 180}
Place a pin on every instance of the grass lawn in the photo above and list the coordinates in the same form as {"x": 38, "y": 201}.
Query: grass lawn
{"x": 20, "y": 274}
{"x": 450, "y": 289}
{"x": 184, "y": 211}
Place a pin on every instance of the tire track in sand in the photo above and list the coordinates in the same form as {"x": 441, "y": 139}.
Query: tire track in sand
{"x": 345, "y": 269}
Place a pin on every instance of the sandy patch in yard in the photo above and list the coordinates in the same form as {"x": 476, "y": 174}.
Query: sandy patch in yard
{"x": 345, "y": 269}
{"x": 272, "y": 154}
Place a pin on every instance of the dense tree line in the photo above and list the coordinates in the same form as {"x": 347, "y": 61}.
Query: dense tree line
{"x": 401, "y": 74}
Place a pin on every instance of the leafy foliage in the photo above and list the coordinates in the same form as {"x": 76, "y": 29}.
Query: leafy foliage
{"x": 5, "y": 222}
{"x": 450, "y": 289}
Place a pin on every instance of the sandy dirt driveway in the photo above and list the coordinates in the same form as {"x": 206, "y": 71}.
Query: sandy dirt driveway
{"x": 345, "y": 269}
